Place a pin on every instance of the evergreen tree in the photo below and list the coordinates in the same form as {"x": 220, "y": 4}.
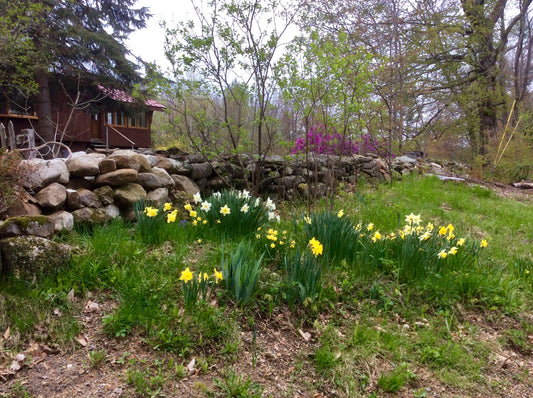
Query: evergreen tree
{"x": 81, "y": 39}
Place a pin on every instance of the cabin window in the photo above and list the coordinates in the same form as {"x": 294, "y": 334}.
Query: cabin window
{"x": 139, "y": 120}
{"x": 109, "y": 117}
{"x": 115, "y": 118}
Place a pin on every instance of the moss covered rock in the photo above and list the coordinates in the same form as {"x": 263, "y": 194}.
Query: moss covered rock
{"x": 31, "y": 257}
{"x": 27, "y": 225}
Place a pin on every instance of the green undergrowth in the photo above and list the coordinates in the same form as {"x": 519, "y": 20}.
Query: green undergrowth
{"x": 387, "y": 284}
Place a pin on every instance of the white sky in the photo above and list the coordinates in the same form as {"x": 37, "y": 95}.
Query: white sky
{"x": 148, "y": 43}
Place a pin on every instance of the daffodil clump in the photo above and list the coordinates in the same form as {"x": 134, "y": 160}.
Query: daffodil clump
{"x": 198, "y": 286}
{"x": 302, "y": 272}
{"x": 231, "y": 213}
{"x": 335, "y": 232}
{"x": 152, "y": 221}
{"x": 418, "y": 250}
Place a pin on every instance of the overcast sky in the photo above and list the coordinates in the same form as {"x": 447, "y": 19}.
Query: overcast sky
{"x": 148, "y": 43}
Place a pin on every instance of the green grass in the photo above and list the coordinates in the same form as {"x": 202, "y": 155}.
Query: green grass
{"x": 381, "y": 311}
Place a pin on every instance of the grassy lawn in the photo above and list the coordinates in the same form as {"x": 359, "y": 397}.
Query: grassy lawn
{"x": 361, "y": 301}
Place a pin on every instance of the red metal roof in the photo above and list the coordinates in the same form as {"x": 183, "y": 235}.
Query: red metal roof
{"x": 122, "y": 96}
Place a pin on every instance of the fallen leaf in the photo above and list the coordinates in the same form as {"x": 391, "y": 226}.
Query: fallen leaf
{"x": 91, "y": 306}
{"x": 70, "y": 296}
{"x": 57, "y": 312}
{"x": 305, "y": 335}
{"x": 190, "y": 366}
{"x": 14, "y": 366}
{"x": 7, "y": 333}
{"x": 20, "y": 357}
{"x": 81, "y": 339}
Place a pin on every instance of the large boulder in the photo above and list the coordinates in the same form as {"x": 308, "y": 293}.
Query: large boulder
{"x": 107, "y": 166}
{"x": 164, "y": 178}
{"x": 31, "y": 257}
{"x": 39, "y": 173}
{"x": 73, "y": 200}
{"x": 125, "y": 162}
{"x": 23, "y": 205}
{"x": 200, "y": 170}
{"x": 52, "y": 197}
{"x": 157, "y": 196}
{"x": 27, "y": 225}
{"x": 185, "y": 184}
{"x": 173, "y": 166}
{"x": 126, "y": 195}
{"x": 149, "y": 181}
{"x": 83, "y": 166}
{"x": 144, "y": 164}
{"x": 117, "y": 178}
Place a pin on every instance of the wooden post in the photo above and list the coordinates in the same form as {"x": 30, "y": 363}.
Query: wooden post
{"x": 3, "y": 140}
{"x": 11, "y": 136}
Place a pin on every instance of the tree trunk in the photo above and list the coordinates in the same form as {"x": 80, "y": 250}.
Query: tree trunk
{"x": 43, "y": 107}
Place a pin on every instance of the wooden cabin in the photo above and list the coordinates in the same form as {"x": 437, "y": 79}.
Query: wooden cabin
{"x": 110, "y": 118}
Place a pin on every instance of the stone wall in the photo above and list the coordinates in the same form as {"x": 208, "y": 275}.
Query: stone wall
{"x": 92, "y": 188}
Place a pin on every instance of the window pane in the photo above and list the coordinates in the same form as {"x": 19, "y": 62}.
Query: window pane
{"x": 120, "y": 119}
{"x": 109, "y": 117}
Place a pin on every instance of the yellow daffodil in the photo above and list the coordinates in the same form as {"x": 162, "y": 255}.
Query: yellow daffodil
{"x": 340, "y": 213}
{"x": 167, "y": 206}
{"x": 204, "y": 222}
{"x": 195, "y": 223}
{"x": 316, "y": 247}
{"x": 193, "y": 214}
{"x": 293, "y": 243}
{"x": 225, "y": 210}
{"x": 272, "y": 245}
{"x": 199, "y": 241}
{"x": 430, "y": 227}
{"x": 442, "y": 231}
{"x": 198, "y": 218}
{"x": 307, "y": 219}
{"x": 150, "y": 211}
{"x": 376, "y": 237}
{"x": 450, "y": 228}
{"x": 272, "y": 232}
{"x": 188, "y": 207}
{"x": 171, "y": 217}
{"x": 442, "y": 254}
{"x": 370, "y": 226}
{"x": 453, "y": 251}
{"x": 281, "y": 242}
{"x": 218, "y": 221}
{"x": 484, "y": 243}
{"x": 461, "y": 242}
{"x": 257, "y": 236}
{"x": 425, "y": 236}
{"x": 218, "y": 275}
{"x": 206, "y": 277}
{"x": 186, "y": 275}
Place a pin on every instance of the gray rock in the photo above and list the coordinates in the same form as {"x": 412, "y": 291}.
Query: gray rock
{"x": 126, "y": 195}
{"x": 90, "y": 217}
{"x": 173, "y": 166}
{"x": 52, "y": 197}
{"x": 112, "y": 211}
{"x": 27, "y": 225}
{"x": 105, "y": 194}
{"x": 200, "y": 170}
{"x": 165, "y": 179}
{"x": 24, "y": 205}
{"x": 158, "y": 196}
{"x": 63, "y": 221}
{"x": 185, "y": 184}
{"x": 73, "y": 200}
{"x": 39, "y": 173}
{"x": 89, "y": 198}
{"x": 83, "y": 166}
{"x": 31, "y": 257}
{"x": 117, "y": 178}
{"x": 196, "y": 158}
{"x": 149, "y": 181}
